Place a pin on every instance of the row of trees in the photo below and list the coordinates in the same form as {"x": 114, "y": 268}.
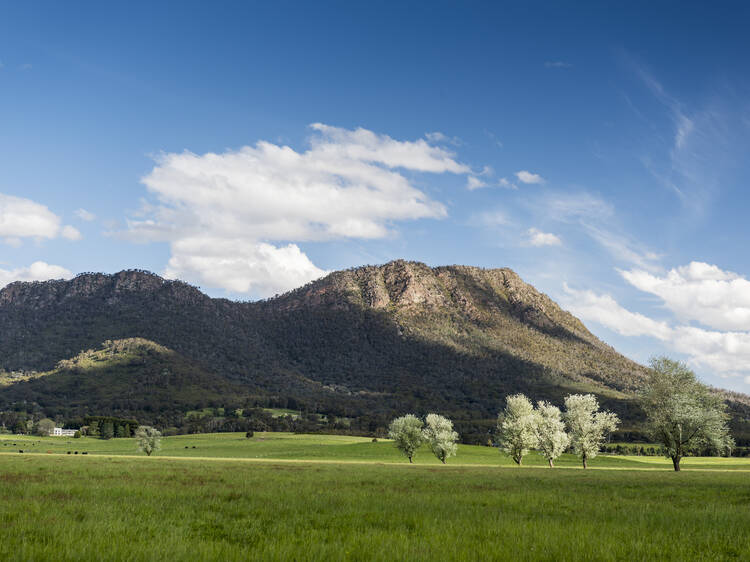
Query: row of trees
{"x": 521, "y": 427}
{"x": 409, "y": 433}
{"x": 683, "y": 415}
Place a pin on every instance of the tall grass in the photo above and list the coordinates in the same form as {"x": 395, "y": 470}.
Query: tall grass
{"x": 116, "y": 508}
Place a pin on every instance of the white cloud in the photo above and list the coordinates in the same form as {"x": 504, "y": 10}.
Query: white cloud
{"x": 438, "y": 137}
{"x": 239, "y": 266}
{"x": 70, "y": 232}
{"x": 23, "y": 218}
{"x": 20, "y": 218}
{"x": 605, "y": 310}
{"x": 725, "y": 353}
{"x": 84, "y": 215}
{"x": 538, "y": 238}
{"x": 525, "y": 176}
{"x": 747, "y": 380}
{"x": 348, "y": 184}
{"x": 37, "y": 271}
{"x": 700, "y": 292}
{"x": 473, "y": 182}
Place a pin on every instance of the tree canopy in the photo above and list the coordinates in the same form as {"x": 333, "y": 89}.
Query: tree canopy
{"x": 588, "y": 426}
{"x": 515, "y": 427}
{"x": 438, "y": 432}
{"x": 406, "y": 432}
{"x": 683, "y": 414}
{"x": 549, "y": 429}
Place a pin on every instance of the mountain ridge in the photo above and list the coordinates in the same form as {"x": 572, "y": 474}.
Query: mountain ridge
{"x": 368, "y": 341}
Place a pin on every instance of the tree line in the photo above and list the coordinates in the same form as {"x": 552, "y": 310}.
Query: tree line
{"x": 683, "y": 416}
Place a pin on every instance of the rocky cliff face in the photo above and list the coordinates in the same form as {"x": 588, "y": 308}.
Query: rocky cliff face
{"x": 39, "y": 294}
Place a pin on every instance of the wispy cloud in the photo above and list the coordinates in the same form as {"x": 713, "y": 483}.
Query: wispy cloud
{"x": 557, "y": 64}
{"x": 702, "y": 142}
{"x": 596, "y": 219}
{"x": 84, "y": 215}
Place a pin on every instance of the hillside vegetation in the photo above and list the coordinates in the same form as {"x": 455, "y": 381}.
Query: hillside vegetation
{"x": 362, "y": 344}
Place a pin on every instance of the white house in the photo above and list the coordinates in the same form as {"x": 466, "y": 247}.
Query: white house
{"x": 60, "y": 432}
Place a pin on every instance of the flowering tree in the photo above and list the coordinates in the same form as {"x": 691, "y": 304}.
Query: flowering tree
{"x": 148, "y": 439}
{"x": 549, "y": 430}
{"x": 438, "y": 432}
{"x": 682, "y": 413}
{"x": 515, "y": 427}
{"x": 406, "y": 432}
{"x": 587, "y": 425}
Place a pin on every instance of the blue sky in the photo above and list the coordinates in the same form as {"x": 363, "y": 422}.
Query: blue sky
{"x": 599, "y": 151}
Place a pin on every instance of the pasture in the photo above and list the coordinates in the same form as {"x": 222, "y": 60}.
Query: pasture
{"x": 310, "y": 497}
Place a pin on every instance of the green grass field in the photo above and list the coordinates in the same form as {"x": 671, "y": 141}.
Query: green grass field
{"x": 311, "y": 497}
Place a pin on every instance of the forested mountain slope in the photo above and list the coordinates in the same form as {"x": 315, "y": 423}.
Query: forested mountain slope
{"x": 370, "y": 341}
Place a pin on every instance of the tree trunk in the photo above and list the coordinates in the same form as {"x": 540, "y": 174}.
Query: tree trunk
{"x": 410, "y": 462}
{"x": 676, "y": 463}
{"x": 551, "y": 464}
{"x": 584, "y": 462}
{"x": 443, "y": 460}
{"x": 520, "y": 461}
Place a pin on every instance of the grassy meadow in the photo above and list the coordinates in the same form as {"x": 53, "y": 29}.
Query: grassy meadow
{"x": 313, "y": 497}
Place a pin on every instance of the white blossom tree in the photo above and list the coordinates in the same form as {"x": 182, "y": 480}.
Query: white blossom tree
{"x": 681, "y": 413}
{"x": 549, "y": 429}
{"x": 588, "y": 426}
{"x": 406, "y": 432}
{"x": 515, "y": 427}
{"x": 438, "y": 432}
{"x": 148, "y": 439}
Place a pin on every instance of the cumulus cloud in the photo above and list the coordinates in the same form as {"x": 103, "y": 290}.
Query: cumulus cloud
{"x": 347, "y": 184}
{"x": 724, "y": 353}
{"x": 84, "y": 215}
{"x": 524, "y": 176}
{"x": 240, "y": 266}
{"x": 37, "y": 271}
{"x": 536, "y": 237}
{"x": 23, "y": 218}
{"x": 699, "y": 292}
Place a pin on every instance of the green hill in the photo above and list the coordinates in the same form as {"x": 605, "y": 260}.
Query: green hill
{"x": 130, "y": 377}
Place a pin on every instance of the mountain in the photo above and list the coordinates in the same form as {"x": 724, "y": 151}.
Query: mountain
{"x": 364, "y": 343}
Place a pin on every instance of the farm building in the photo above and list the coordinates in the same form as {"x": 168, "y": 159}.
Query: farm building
{"x": 60, "y": 432}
